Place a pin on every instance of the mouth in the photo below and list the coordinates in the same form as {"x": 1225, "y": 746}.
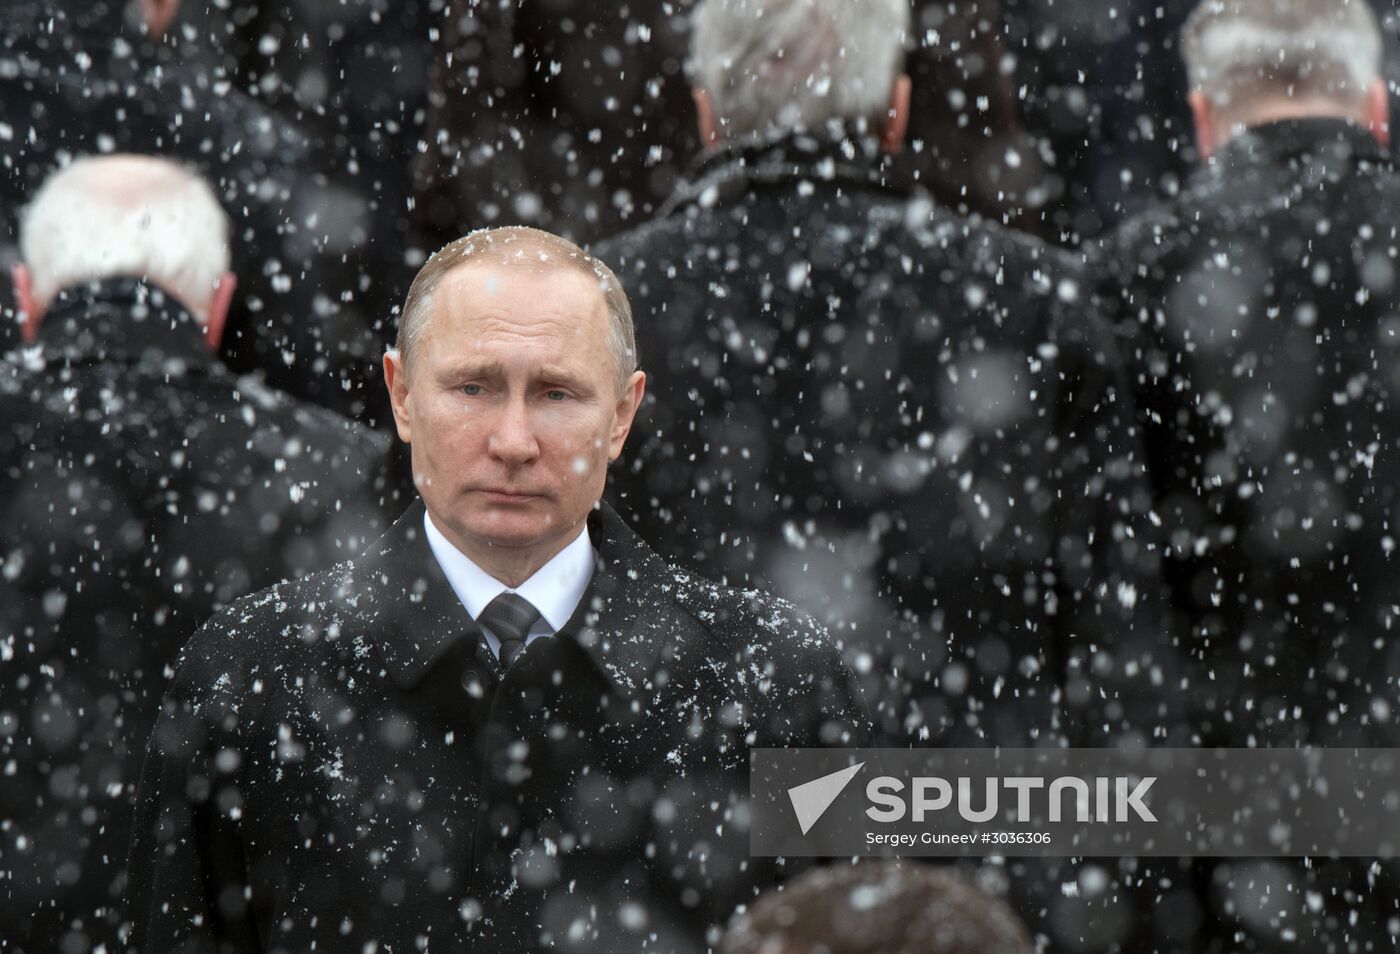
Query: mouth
{"x": 507, "y": 496}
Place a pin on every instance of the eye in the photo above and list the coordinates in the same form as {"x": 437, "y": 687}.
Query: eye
{"x": 554, "y": 394}
{"x": 471, "y": 390}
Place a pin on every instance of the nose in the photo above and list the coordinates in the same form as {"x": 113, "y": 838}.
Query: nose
{"x": 512, "y": 439}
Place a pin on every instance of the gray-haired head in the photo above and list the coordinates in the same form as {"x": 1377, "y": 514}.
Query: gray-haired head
{"x": 877, "y": 907}
{"x": 126, "y": 216}
{"x": 517, "y": 245}
{"x": 772, "y": 66}
{"x": 1240, "y": 51}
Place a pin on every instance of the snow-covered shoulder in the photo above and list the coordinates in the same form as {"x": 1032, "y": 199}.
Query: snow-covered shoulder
{"x": 241, "y": 648}
{"x": 758, "y": 629}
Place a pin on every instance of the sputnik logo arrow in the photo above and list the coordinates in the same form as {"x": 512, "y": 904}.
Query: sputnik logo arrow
{"x": 810, "y": 800}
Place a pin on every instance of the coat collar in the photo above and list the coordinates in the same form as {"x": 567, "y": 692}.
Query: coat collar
{"x": 725, "y": 175}
{"x": 624, "y": 623}
{"x": 124, "y": 320}
{"x": 1315, "y": 142}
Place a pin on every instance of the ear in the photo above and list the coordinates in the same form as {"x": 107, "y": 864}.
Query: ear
{"x": 705, "y": 117}
{"x": 897, "y": 122}
{"x": 1203, "y": 113}
{"x": 1378, "y": 111}
{"x": 24, "y": 300}
{"x": 219, "y": 306}
{"x": 159, "y": 14}
{"x": 396, "y": 380}
{"x": 626, "y": 411}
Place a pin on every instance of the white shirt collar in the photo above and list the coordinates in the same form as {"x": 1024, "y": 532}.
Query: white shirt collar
{"x": 555, "y": 589}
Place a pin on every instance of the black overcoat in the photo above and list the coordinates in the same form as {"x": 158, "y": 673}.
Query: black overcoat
{"x": 340, "y": 761}
{"x": 915, "y": 426}
{"x": 1263, "y": 307}
{"x": 142, "y": 488}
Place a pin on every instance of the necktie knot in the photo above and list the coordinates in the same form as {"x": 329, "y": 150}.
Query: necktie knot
{"x": 510, "y": 617}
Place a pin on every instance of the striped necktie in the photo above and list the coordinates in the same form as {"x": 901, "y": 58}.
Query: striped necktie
{"x": 509, "y": 616}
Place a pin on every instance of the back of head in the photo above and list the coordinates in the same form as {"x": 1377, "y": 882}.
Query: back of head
{"x": 1239, "y": 52}
{"x": 878, "y": 908}
{"x": 774, "y": 66}
{"x": 126, "y": 217}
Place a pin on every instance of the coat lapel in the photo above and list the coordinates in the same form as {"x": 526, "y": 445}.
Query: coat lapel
{"x": 400, "y": 592}
{"x": 628, "y": 622}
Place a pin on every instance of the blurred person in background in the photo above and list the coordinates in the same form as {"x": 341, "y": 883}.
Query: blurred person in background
{"x": 508, "y": 726}
{"x": 967, "y": 140}
{"x": 104, "y": 76}
{"x": 143, "y": 486}
{"x": 570, "y": 116}
{"x": 854, "y": 377}
{"x": 353, "y": 76}
{"x": 576, "y": 115}
{"x": 1102, "y": 92}
{"x": 1261, "y": 308}
{"x": 911, "y": 423}
{"x": 1258, "y": 305}
{"x": 878, "y": 907}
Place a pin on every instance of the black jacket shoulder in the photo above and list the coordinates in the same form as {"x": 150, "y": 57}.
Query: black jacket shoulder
{"x": 291, "y": 624}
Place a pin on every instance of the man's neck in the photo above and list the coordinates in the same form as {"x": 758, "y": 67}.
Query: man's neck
{"x": 510, "y": 565}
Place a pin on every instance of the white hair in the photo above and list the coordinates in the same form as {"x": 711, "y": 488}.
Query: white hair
{"x": 126, "y": 216}
{"x": 781, "y": 65}
{"x": 1239, "y": 49}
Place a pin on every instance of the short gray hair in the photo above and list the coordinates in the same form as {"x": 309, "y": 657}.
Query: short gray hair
{"x": 1237, "y": 50}
{"x": 781, "y": 65}
{"x": 126, "y": 216}
{"x": 517, "y": 244}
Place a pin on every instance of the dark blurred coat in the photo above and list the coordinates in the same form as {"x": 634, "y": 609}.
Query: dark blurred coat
{"x": 966, "y": 133}
{"x": 142, "y": 486}
{"x": 347, "y": 749}
{"x": 568, "y": 115}
{"x": 353, "y": 75}
{"x": 1267, "y": 324}
{"x": 913, "y": 425}
{"x": 910, "y": 424}
{"x": 78, "y": 78}
{"x": 1104, "y": 97}
{"x": 1265, "y": 310}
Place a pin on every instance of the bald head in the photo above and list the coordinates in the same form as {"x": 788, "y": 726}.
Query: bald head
{"x": 126, "y": 216}
{"x": 518, "y": 247}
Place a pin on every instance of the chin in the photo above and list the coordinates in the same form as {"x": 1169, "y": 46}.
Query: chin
{"x": 512, "y": 530}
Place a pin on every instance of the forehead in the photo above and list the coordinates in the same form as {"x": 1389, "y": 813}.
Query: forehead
{"x": 526, "y": 298}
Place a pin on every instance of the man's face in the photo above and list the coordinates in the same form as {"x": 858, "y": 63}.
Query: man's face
{"x": 512, "y": 408}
